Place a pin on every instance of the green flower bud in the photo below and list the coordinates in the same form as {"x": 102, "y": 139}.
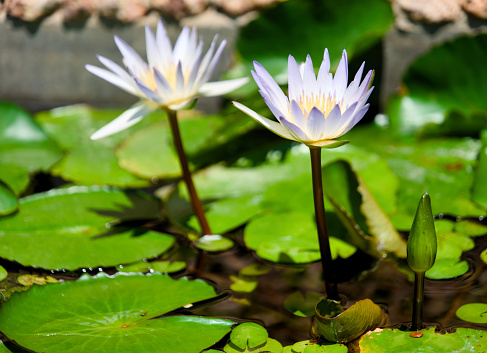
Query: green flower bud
{"x": 421, "y": 246}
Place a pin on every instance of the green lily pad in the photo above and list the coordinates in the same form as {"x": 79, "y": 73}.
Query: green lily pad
{"x": 24, "y": 147}
{"x": 336, "y": 325}
{"x": 439, "y": 104}
{"x": 157, "y": 266}
{"x": 77, "y": 227}
{"x": 105, "y": 314}
{"x": 255, "y": 269}
{"x": 271, "y": 346}
{"x": 384, "y": 341}
{"x": 289, "y": 238}
{"x": 248, "y": 335}
{"x": 470, "y": 228}
{"x": 85, "y": 161}
{"x": 474, "y": 312}
{"x": 3, "y": 273}
{"x": 355, "y": 26}
{"x": 243, "y": 284}
{"x": 483, "y": 256}
{"x": 315, "y": 347}
{"x": 445, "y": 268}
{"x": 302, "y": 305}
{"x": 214, "y": 243}
{"x": 29, "y": 280}
{"x": 8, "y": 200}
{"x": 227, "y": 214}
{"x": 368, "y": 226}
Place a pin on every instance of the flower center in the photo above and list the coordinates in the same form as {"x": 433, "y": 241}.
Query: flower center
{"x": 169, "y": 72}
{"x": 324, "y": 104}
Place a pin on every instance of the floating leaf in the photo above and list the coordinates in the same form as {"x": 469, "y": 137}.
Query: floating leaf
{"x": 289, "y": 238}
{"x": 271, "y": 346}
{"x": 447, "y": 268}
{"x": 248, "y": 335}
{"x": 439, "y": 104}
{"x": 116, "y": 314}
{"x": 214, "y": 243}
{"x": 479, "y": 190}
{"x": 473, "y": 312}
{"x": 243, "y": 284}
{"x": 384, "y": 341}
{"x": 301, "y": 305}
{"x": 255, "y": 269}
{"x": 24, "y": 147}
{"x": 86, "y": 161}
{"x": 336, "y": 325}
{"x": 157, "y": 266}
{"x": 29, "y": 280}
{"x": 483, "y": 256}
{"x": 368, "y": 226}
{"x": 8, "y": 200}
{"x": 71, "y": 225}
{"x": 470, "y": 228}
{"x": 315, "y": 347}
{"x": 3, "y": 273}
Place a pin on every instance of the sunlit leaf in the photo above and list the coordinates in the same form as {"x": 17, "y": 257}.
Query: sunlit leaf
{"x": 116, "y": 314}
{"x": 77, "y": 227}
{"x": 385, "y": 341}
{"x": 8, "y": 200}
{"x": 315, "y": 347}
{"x": 3, "y": 273}
{"x": 86, "y": 161}
{"x": 157, "y": 266}
{"x": 214, "y": 243}
{"x": 249, "y": 335}
{"x": 243, "y": 284}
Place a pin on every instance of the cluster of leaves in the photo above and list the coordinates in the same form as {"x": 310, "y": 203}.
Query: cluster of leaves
{"x": 249, "y": 180}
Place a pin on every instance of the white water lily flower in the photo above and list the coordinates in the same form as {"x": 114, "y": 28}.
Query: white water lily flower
{"x": 320, "y": 108}
{"x": 171, "y": 79}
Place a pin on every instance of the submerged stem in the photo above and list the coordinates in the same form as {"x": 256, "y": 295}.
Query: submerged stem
{"x": 183, "y": 162}
{"x": 418, "y": 301}
{"x": 326, "y": 260}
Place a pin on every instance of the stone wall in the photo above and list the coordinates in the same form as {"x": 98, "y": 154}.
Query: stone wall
{"x": 44, "y": 44}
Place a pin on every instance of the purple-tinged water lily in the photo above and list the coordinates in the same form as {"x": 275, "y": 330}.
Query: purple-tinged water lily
{"x": 320, "y": 108}
{"x": 170, "y": 80}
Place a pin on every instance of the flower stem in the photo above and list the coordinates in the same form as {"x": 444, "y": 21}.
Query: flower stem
{"x": 326, "y": 260}
{"x": 183, "y": 161}
{"x": 418, "y": 301}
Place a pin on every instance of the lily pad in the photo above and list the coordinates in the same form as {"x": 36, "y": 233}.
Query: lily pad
{"x": 83, "y": 231}
{"x": 24, "y": 147}
{"x": 3, "y": 273}
{"x": 8, "y": 200}
{"x": 447, "y": 268}
{"x": 479, "y": 188}
{"x": 89, "y": 162}
{"x": 474, "y": 312}
{"x": 439, "y": 104}
{"x": 248, "y": 335}
{"x": 29, "y": 280}
{"x": 255, "y": 269}
{"x": 315, "y": 347}
{"x": 105, "y": 314}
{"x": 271, "y": 346}
{"x": 470, "y": 228}
{"x": 384, "y": 341}
{"x": 157, "y": 266}
{"x": 483, "y": 256}
{"x": 214, "y": 243}
{"x": 243, "y": 284}
{"x": 355, "y": 26}
{"x": 336, "y": 325}
{"x": 289, "y": 238}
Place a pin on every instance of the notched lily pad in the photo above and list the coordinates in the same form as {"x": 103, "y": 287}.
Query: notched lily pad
{"x": 338, "y": 325}
{"x": 315, "y": 347}
{"x": 84, "y": 230}
{"x": 249, "y": 335}
{"x": 112, "y": 314}
{"x": 385, "y": 341}
{"x": 243, "y": 284}
{"x": 474, "y": 312}
{"x": 302, "y": 305}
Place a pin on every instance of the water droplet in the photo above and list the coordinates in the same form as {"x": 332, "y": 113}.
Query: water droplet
{"x": 440, "y": 216}
{"x": 481, "y": 218}
{"x": 83, "y": 270}
{"x": 108, "y": 225}
{"x": 187, "y": 306}
{"x": 100, "y": 269}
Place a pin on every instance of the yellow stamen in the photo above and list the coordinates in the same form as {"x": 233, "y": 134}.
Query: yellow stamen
{"x": 324, "y": 104}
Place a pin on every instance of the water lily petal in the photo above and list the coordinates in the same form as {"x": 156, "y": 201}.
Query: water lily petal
{"x": 277, "y": 113}
{"x": 335, "y": 121}
{"x": 297, "y": 114}
{"x": 269, "y": 124}
{"x": 116, "y": 69}
{"x": 210, "y": 89}
{"x": 266, "y": 83}
{"x": 112, "y": 78}
{"x": 125, "y": 120}
{"x": 163, "y": 86}
{"x": 151, "y": 47}
{"x": 328, "y": 143}
{"x": 181, "y": 45}
{"x": 316, "y": 124}
{"x": 164, "y": 45}
{"x": 132, "y": 60}
{"x": 354, "y": 85}
{"x": 150, "y": 94}
{"x": 296, "y": 132}
{"x": 341, "y": 77}
{"x": 356, "y": 118}
{"x": 295, "y": 82}
{"x": 309, "y": 78}
{"x": 213, "y": 62}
